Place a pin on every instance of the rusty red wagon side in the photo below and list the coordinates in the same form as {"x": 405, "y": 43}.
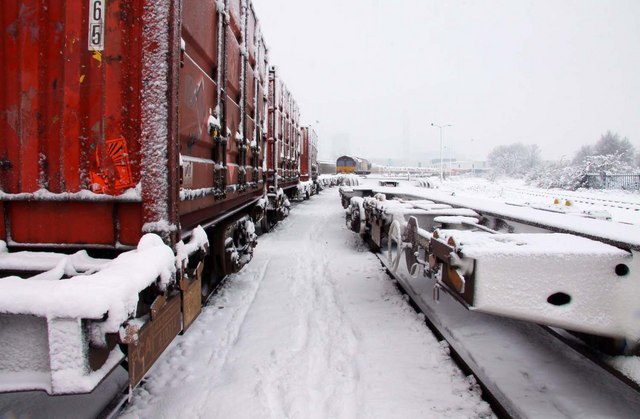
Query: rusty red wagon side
{"x": 308, "y": 155}
{"x": 126, "y": 117}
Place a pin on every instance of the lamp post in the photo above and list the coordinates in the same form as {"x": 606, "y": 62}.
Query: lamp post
{"x": 441, "y": 127}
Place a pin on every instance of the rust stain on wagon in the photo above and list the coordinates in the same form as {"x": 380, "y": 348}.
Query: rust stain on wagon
{"x": 12, "y": 116}
{"x": 12, "y": 29}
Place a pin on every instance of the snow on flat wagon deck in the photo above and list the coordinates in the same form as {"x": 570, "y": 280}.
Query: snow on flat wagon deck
{"x": 311, "y": 328}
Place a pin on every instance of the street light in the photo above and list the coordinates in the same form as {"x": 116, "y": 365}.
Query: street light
{"x": 441, "y": 126}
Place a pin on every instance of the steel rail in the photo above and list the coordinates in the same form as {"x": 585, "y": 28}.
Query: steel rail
{"x": 495, "y": 393}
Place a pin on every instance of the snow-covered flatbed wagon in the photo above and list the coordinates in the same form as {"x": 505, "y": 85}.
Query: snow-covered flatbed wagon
{"x": 133, "y": 165}
{"x": 571, "y": 271}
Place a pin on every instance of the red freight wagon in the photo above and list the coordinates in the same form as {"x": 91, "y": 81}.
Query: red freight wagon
{"x": 282, "y": 154}
{"x": 284, "y": 135}
{"x": 308, "y": 166}
{"x": 283, "y": 149}
{"x": 101, "y": 143}
{"x": 117, "y": 119}
{"x": 309, "y": 155}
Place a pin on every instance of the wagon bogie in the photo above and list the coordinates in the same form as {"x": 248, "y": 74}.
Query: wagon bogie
{"x": 233, "y": 245}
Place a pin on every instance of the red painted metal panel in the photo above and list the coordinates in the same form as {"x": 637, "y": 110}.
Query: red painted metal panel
{"x": 69, "y": 116}
{"x": 61, "y": 222}
{"x": 28, "y": 61}
{"x": 304, "y": 155}
{"x": 308, "y": 154}
{"x": 202, "y": 152}
{"x": 200, "y": 22}
{"x": 252, "y": 39}
{"x": 73, "y": 111}
{"x": 198, "y": 82}
{"x": 10, "y": 121}
{"x": 233, "y": 67}
{"x": 3, "y": 232}
{"x": 233, "y": 123}
{"x": 251, "y": 94}
{"x": 283, "y": 134}
{"x": 272, "y": 130}
{"x": 73, "y": 120}
{"x": 198, "y": 99}
{"x": 130, "y": 216}
{"x": 234, "y": 13}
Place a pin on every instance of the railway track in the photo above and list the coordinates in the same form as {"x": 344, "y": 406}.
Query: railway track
{"x": 498, "y": 286}
{"x": 104, "y": 402}
{"x": 524, "y": 370}
{"x": 114, "y": 408}
{"x": 610, "y": 203}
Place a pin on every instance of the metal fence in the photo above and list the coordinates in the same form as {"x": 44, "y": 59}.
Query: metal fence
{"x": 609, "y": 181}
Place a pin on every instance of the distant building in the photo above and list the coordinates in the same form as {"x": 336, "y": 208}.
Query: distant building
{"x": 454, "y": 167}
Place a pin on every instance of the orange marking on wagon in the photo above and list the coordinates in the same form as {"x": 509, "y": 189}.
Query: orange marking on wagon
{"x": 113, "y": 174}
{"x": 97, "y": 55}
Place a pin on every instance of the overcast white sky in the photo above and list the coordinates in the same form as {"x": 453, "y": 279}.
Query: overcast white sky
{"x": 376, "y": 73}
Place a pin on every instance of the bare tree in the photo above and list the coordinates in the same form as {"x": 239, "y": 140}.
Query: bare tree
{"x": 531, "y": 157}
{"x": 514, "y": 159}
{"x": 610, "y": 143}
{"x": 584, "y": 152}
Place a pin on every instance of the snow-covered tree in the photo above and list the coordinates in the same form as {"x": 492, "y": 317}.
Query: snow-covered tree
{"x": 532, "y": 157}
{"x": 607, "y": 163}
{"x": 515, "y": 159}
{"x": 570, "y": 176}
{"x": 560, "y": 174}
{"x": 609, "y": 144}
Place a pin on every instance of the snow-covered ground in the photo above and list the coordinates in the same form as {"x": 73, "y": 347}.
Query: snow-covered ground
{"x": 621, "y": 206}
{"x": 311, "y": 328}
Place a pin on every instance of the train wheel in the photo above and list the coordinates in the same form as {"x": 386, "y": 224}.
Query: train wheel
{"x": 234, "y": 245}
{"x": 210, "y": 278}
{"x": 355, "y": 217}
{"x": 394, "y": 245}
{"x": 411, "y": 233}
{"x": 265, "y": 223}
{"x": 355, "y": 220}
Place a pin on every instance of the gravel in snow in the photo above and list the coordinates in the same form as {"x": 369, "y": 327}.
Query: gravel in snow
{"x": 311, "y": 328}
